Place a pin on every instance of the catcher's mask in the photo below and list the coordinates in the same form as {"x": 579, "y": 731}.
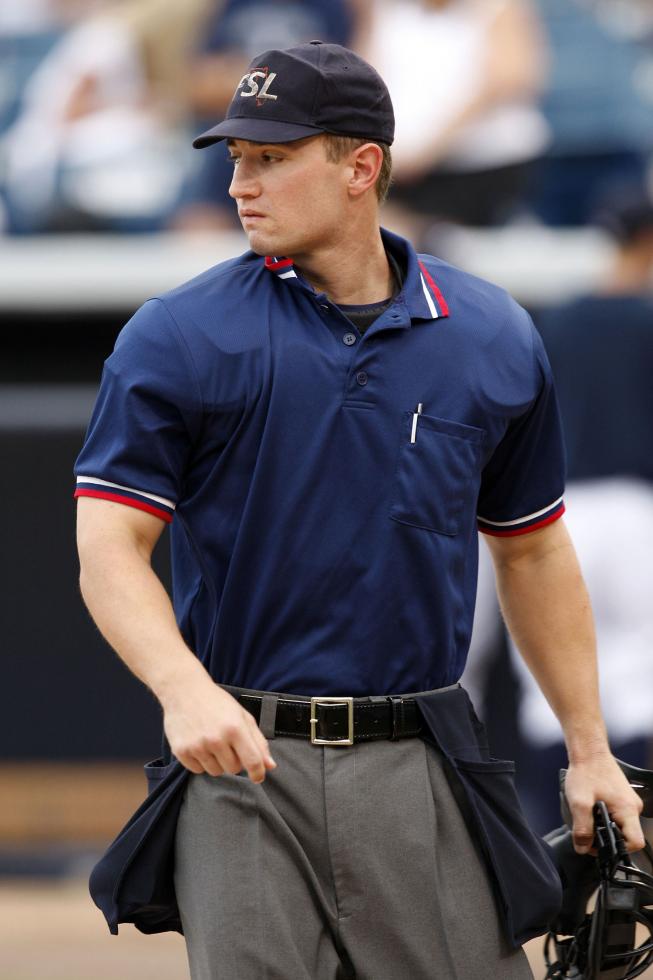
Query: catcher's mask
{"x": 602, "y": 943}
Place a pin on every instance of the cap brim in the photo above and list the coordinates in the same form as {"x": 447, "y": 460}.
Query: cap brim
{"x": 256, "y": 130}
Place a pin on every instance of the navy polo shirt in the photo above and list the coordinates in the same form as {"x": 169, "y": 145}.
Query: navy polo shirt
{"x": 324, "y": 533}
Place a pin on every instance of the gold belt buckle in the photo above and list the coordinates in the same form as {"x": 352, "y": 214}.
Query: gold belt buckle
{"x": 350, "y": 721}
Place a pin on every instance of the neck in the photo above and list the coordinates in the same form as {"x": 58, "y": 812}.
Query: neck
{"x": 631, "y": 273}
{"x": 353, "y": 273}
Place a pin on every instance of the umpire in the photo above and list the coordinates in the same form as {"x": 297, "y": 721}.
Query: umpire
{"x": 326, "y": 421}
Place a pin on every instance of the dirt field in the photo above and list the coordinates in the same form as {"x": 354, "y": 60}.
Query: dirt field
{"x": 52, "y": 931}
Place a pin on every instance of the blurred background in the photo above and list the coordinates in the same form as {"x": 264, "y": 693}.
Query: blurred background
{"x": 526, "y": 158}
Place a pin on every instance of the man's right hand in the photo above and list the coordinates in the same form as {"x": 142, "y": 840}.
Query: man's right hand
{"x": 209, "y": 731}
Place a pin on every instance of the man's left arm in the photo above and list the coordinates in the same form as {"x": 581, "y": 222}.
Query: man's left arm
{"x": 547, "y": 611}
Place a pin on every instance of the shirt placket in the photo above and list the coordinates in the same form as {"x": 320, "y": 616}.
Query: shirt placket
{"x": 359, "y": 351}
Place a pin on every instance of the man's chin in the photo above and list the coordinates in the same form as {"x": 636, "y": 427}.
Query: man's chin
{"x": 263, "y": 244}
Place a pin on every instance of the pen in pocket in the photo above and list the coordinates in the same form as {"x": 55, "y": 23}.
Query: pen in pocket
{"x": 416, "y": 415}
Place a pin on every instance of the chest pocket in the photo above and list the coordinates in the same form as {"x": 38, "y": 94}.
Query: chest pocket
{"x": 436, "y": 475}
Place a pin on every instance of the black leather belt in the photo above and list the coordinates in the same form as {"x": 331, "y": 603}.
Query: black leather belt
{"x": 341, "y": 721}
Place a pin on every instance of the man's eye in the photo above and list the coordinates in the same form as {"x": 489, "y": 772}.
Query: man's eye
{"x": 271, "y": 158}
{"x": 233, "y": 160}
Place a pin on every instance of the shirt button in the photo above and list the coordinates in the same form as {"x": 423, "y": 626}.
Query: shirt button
{"x": 361, "y": 377}
{"x": 349, "y": 339}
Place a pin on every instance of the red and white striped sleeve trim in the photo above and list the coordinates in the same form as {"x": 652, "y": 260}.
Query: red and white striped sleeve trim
{"x": 523, "y": 525}
{"x": 151, "y": 503}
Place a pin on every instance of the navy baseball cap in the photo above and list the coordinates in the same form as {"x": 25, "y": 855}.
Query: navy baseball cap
{"x": 305, "y": 90}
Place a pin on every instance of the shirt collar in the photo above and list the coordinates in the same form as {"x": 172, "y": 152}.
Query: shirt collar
{"x": 420, "y": 292}
{"x": 282, "y": 267}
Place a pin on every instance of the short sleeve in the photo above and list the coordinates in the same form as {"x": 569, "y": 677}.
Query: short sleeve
{"x": 522, "y": 484}
{"x": 146, "y": 416}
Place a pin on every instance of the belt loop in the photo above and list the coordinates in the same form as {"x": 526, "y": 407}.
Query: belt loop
{"x": 268, "y": 717}
{"x": 397, "y": 714}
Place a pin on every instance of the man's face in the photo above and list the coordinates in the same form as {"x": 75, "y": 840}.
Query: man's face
{"x": 290, "y": 198}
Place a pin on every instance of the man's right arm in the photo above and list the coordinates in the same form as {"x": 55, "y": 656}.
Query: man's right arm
{"x": 206, "y": 727}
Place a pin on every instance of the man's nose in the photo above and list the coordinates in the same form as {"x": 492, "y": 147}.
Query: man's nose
{"x": 244, "y": 182}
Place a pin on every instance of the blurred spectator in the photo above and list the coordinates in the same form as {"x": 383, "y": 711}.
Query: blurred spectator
{"x": 599, "y": 104}
{"x": 601, "y": 351}
{"x": 27, "y": 32}
{"x": 95, "y": 144}
{"x": 464, "y": 77}
{"x": 630, "y": 18}
{"x": 34, "y": 16}
{"x": 237, "y": 32}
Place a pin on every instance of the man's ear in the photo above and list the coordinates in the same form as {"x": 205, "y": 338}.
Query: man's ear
{"x": 366, "y": 162}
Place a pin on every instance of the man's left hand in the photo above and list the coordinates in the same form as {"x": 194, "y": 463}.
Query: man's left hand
{"x": 600, "y": 778}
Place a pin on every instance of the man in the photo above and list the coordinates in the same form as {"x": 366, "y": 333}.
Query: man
{"x": 322, "y": 417}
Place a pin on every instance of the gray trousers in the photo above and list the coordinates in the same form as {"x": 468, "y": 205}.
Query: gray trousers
{"x": 346, "y": 862}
